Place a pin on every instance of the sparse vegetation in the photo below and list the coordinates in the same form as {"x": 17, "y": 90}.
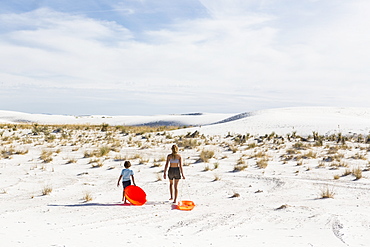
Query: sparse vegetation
{"x": 46, "y": 190}
{"x": 206, "y": 155}
{"x": 87, "y": 196}
{"x": 357, "y": 172}
{"x": 327, "y": 192}
{"x": 217, "y": 177}
{"x": 235, "y": 195}
{"x": 46, "y": 156}
{"x": 262, "y": 163}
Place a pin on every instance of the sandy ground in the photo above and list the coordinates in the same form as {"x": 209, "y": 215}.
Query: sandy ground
{"x": 238, "y": 202}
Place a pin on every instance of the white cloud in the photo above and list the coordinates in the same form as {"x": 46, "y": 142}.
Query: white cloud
{"x": 244, "y": 53}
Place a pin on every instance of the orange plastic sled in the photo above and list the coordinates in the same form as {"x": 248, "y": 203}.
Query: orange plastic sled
{"x": 185, "y": 205}
{"x": 135, "y": 195}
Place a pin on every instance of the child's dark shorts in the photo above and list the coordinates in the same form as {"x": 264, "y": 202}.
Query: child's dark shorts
{"x": 126, "y": 183}
{"x": 174, "y": 173}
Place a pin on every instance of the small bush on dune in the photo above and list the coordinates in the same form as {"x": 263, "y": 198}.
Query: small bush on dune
{"x": 87, "y": 197}
{"x": 98, "y": 164}
{"x": 103, "y": 151}
{"x": 347, "y": 172}
{"x": 327, "y": 192}
{"x": 46, "y": 156}
{"x": 357, "y": 172}
{"x": 70, "y": 161}
{"x": 217, "y": 177}
{"x": 46, "y": 190}
{"x": 262, "y": 163}
{"x": 216, "y": 165}
{"x": 188, "y": 143}
{"x": 206, "y": 168}
{"x": 235, "y": 195}
{"x": 240, "y": 167}
{"x": 206, "y": 155}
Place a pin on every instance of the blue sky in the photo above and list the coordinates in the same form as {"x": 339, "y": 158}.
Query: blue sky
{"x": 141, "y": 57}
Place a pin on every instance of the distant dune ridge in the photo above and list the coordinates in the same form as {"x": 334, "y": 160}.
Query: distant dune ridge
{"x": 303, "y": 120}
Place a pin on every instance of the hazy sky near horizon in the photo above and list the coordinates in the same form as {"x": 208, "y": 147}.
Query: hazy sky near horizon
{"x": 141, "y": 57}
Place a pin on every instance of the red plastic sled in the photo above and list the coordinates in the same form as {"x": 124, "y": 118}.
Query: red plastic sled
{"x": 185, "y": 205}
{"x": 135, "y": 195}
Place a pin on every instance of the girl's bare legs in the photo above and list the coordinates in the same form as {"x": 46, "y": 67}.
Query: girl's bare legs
{"x": 171, "y": 191}
{"x": 176, "y": 191}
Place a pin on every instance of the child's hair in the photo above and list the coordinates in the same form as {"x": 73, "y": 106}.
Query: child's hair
{"x": 175, "y": 150}
{"x": 127, "y": 164}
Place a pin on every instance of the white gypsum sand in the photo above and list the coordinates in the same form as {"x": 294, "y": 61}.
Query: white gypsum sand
{"x": 262, "y": 185}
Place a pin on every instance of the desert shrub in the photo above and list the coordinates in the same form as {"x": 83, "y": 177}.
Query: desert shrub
{"x": 161, "y": 159}
{"x": 216, "y": 165}
{"x": 88, "y": 154}
{"x": 235, "y": 195}
{"x": 87, "y": 197}
{"x": 206, "y": 155}
{"x": 102, "y": 151}
{"x": 240, "y": 167}
{"x": 136, "y": 156}
{"x": 46, "y": 190}
{"x": 347, "y": 172}
{"x": 217, "y": 177}
{"x": 240, "y": 139}
{"x": 206, "y": 168}
{"x": 311, "y": 155}
{"x": 104, "y": 127}
{"x": 46, "y": 156}
{"x": 260, "y": 154}
{"x": 94, "y": 161}
{"x": 299, "y": 146}
{"x": 291, "y": 151}
{"x": 251, "y": 145}
{"x": 262, "y": 163}
{"x": 97, "y": 164}
{"x": 143, "y": 161}
{"x": 327, "y": 192}
{"x": 233, "y": 149}
{"x": 72, "y": 160}
{"x": 240, "y": 161}
{"x": 50, "y": 138}
{"x": 156, "y": 164}
{"x": 21, "y": 151}
{"x": 357, "y": 172}
{"x": 333, "y": 150}
{"x": 188, "y": 143}
{"x": 284, "y": 206}
{"x": 119, "y": 158}
{"x": 359, "y": 156}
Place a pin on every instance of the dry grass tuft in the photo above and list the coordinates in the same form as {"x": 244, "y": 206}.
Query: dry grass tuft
{"x": 262, "y": 163}
{"x": 217, "y": 177}
{"x": 46, "y": 190}
{"x": 87, "y": 197}
{"x": 46, "y": 156}
{"x": 235, "y": 195}
{"x": 327, "y": 192}
{"x": 357, "y": 172}
{"x": 206, "y": 155}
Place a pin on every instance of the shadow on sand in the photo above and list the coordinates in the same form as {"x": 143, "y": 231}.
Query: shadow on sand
{"x": 91, "y": 205}
{"x": 153, "y": 203}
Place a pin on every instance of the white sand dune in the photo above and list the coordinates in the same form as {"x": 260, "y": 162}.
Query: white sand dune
{"x": 175, "y": 119}
{"x": 303, "y": 120}
{"x": 279, "y": 205}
